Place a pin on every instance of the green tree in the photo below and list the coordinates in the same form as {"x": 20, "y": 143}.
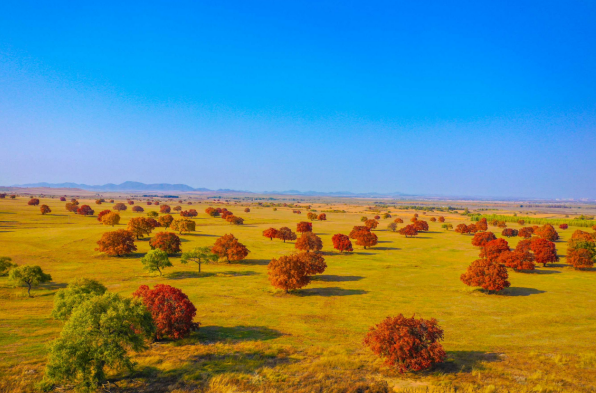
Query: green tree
{"x": 5, "y": 265}
{"x": 152, "y": 214}
{"x": 199, "y": 255}
{"x": 29, "y": 276}
{"x": 99, "y": 334}
{"x": 155, "y": 260}
{"x": 78, "y": 291}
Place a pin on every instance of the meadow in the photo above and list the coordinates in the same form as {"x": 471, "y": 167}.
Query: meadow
{"x": 539, "y": 335}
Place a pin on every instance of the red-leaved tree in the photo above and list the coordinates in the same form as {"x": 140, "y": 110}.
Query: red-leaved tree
{"x": 491, "y": 276}
{"x": 342, "y": 243}
{"x": 409, "y": 344}
{"x": 270, "y": 233}
{"x": 171, "y": 310}
{"x": 304, "y": 227}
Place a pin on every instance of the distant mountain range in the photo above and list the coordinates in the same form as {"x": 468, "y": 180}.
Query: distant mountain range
{"x": 137, "y": 186}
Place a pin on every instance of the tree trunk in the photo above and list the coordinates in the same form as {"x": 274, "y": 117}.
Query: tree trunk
{"x": 29, "y": 289}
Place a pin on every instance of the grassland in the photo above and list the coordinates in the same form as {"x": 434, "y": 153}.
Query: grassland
{"x": 539, "y": 335}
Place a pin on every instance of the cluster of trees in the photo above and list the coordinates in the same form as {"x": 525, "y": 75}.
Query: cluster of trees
{"x": 283, "y": 233}
{"x": 535, "y": 220}
{"x": 581, "y": 250}
{"x": 102, "y": 329}
{"x": 313, "y": 216}
{"x": 364, "y": 236}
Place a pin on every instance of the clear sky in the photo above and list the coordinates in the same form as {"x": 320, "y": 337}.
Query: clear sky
{"x": 449, "y": 98}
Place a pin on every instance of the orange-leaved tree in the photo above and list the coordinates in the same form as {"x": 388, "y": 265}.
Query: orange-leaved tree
{"x": 342, "y": 243}
{"x": 288, "y": 272}
{"x": 304, "y": 227}
{"x": 230, "y": 248}
{"x": 140, "y": 226}
{"x": 45, "y": 209}
{"x": 309, "y": 242}
{"x": 286, "y": 233}
{"x": 166, "y": 241}
{"x": 270, "y": 233}
{"x": 117, "y": 243}
{"x": 488, "y": 275}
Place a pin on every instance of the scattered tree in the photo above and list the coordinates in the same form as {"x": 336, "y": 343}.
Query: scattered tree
{"x": 547, "y": 232}
{"x": 164, "y": 209}
{"x": 493, "y": 249}
{"x": 198, "y": 255}
{"x": 33, "y": 202}
{"x": 408, "y": 231}
{"x": 288, "y": 273}
{"x": 138, "y": 209}
{"x": 309, "y": 242}
{"x": 99, "y": 334}
{"x": 152, "y": 214}
{"x": 166, "y": 241}
{"x": 509, "y": 232}
{"x": 441, "y": 219}
{"x": 488, "y": 275}
{"x": 165, "y": 221}
{"x": 322, "y": 217}
{"x": 45, "y": 209}
{"x": 28, "y": 276}
{"x": 117, "y": 243}
{"x": 421, "y": 226}
{"x": 155, "y": 260}
{"x": 304, "y": 227}
{"x": 398, "y": 221}
{"x": 103, "y": 213}
{"x": 342, "y": 243}
{"x": 171, "y": 310}
{"x": 78, "y": 291}
{"x": 409, "y": 344}
{"x": 447, "y": 226}
{"x": 563, "y": 226}
{"x": 366, "y": 239}
{"x": 286, "y": 233}
{"x": 230, "y": 248}
{"x": 183, "y": 225}
{"x": 461, "y": 228}
{"x": 119, "y": 207}
{"x": 5, "y": 265}
{"x": 392, "y": 226}
{"x": 140, "y": 226}
{"x": 85, "y": 210}
{"x": 371, "y": 224}
{"x": 270, "y": 233}
{"x": 110, "y": 219}
{"x": 517, "y": 260}
{"x": 544, "y": 251}
{"x": 525, "y": 232}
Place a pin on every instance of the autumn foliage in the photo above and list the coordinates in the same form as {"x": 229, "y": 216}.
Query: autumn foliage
{"x": 547, "y": 232}
{"x": 544, "y": 251}
{"x": 421, "y": 225}
{"x": 342, "y": 243}
{"x": 117, "y": 243}
{"x": 288, "y": 272}
{"x": 366, "y": 239}
{"x": 119, "y": 207}
{"x": 409, "y": 344}
{"x": 171, "y": 310}
{"x": 270, "y": 233}
{"x": 140, "y": 226}
{"x": 165, "y": 220}
{"x": 517, "y": 260}
{"x": 525, "y": 232}
{"x": 85, "y": 210}
{"x": 304, "y": 227}
{"x": 322, "y": 217}
{"x": 309, "y": 242}
{"x": 101, "y": 214}
{"x": 164, "y": 209}
{"x": 408, "y": 231}
{"x": 509, "y": 232}
{"x": 480, "y": 239}
{"x": 493, "y": 249}
{"x": 137, "y": 209}
{"x": 33, "y": 202}
{"x": 45, "y": 209}
{"x": 230, "y": 248}
{"x": 489, "y": 275}
{"x": 166, "y": 241}
{"x": 286, "y": 233}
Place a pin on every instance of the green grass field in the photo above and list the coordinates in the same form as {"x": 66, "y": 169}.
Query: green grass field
{"x": 539, "y": 335}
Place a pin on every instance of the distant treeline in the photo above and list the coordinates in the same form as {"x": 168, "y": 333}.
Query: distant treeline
{"x": 552, "y": 206}
{"x": 535, "y": 220}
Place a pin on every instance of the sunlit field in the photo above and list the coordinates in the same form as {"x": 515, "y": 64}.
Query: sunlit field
{"x": 538, "y": 335}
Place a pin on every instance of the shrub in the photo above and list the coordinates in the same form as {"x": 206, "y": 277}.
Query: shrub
{"x": 409, "y": 344}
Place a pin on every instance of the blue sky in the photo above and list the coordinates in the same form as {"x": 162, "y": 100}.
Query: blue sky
{"x": 450, "y": 98}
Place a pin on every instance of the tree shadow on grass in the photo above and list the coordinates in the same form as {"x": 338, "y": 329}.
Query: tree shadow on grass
{"x": 386, "y": 248}
{"x": 188, "y": 274}
{"x": 235, "y": 333}
{"x": 334, "y": 278}
{"x": 384, "y": 241}
{"x": 133, "y": 255}
{"x": 465, "y": 361}
{"x": 542, "y": 271}
{"x": 328, "y": 292}
{"x": 262, "y": 262}
{"x": 520, "y": 291}
{"x": 363, "y": 253}
{"x": 554, "y": 265}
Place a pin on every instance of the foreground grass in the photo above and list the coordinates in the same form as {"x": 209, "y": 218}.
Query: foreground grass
{"x": 537, "y": 336}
